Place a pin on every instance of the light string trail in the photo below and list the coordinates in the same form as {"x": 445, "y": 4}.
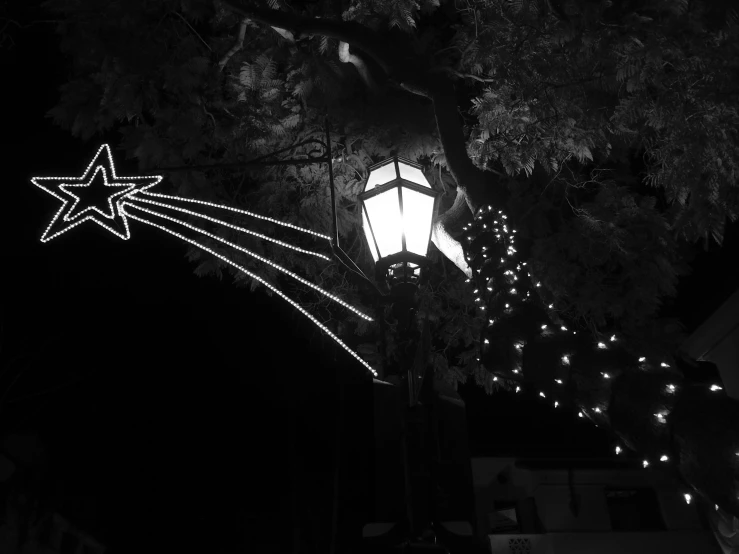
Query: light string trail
{"x": 229, "y": 208}
{"x": 253, "y": 276}
{"x": 234, "y": 227}
{"x": 258, "y": 257}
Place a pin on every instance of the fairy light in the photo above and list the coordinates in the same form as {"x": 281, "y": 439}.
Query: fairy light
{"x": 543, "y": 327}
{"x": 579, "y": 414}
{"x": 618, "y": 450}
{"x": 671, "y": 388}
{"x": 558, "y": 381}
{"x": 556, "y": 403}
{"x": 563, "y": 328}
{"x": 236, "y": 210}
{"x": 257, "y": 278}
{"x": 566, "y": 360}
{"x": 645, "y": 463}
{"x": 234, "y": 227}
{"x": 518, "y": 389}
{"x": 663, "y": 458}
{"x": 542, "y": 394}
{"x": 715, "y": 388}
{"x": 688, "y": 498}
{"x": 601, "y": 345}
{"x": 597, "y": 410}
{"x": 258, "y": 257}
{"x": 660, "y": 417}
{"x": 663, "y": 364}
{"x": 642, "y": 359}
{"x": 606, "y": 376}
{"x": 613, "y": 338}
{"x": 62, "y": 188}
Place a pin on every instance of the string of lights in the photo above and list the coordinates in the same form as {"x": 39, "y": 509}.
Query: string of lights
{"x": 230, "y": 226}
{"x": 256, "y": 278}
{"x": 236, "y": 210}
{"x": 257, "y": 256}
{"x": 503, "y": 285}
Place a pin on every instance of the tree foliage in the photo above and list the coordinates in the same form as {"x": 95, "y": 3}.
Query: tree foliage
{"x": 610, "y": 125}
{"x": 560, "y": 100}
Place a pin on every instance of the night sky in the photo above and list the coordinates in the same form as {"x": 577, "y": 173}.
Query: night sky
{"x": 167, "y": 397}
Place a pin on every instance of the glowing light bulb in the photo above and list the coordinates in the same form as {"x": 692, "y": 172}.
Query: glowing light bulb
{"x": 642, "y": 359}
{"x": 551, "y": 306}
{"x": 663, "y": 458}
{"x": 688, "y": 498}
{"x": 645, "y": 463}
{"x": 714, "y": 388}
{"x": 541, "y": 394}
{"x": 663, "y": 364}
{"x": 566, "y": 360}
{"x": 618, "y": 450}
{"x": 601, "y": 345}
{"x": 543, "y": 326}
{"x": 564, "y": 328}
{"x": 579, "y": 414}
{"x": 518, "y": 389}
{"x": 613, "y": 338}
{"x": 495, "y": 378}
{"x": 487, "y": 341}
{"x": 558, "y": 381}
{"x": 597, "y": 410}
{"x": 606, "y": 376}
{"x": 671, "y": 388}
{"x": 507, "y": 305}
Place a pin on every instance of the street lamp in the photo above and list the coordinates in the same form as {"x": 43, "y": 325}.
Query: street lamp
{"x": 398, "y": 208}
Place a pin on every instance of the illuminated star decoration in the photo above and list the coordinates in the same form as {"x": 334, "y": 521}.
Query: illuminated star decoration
{"x": 132, "y": 193}
{"x": 100, "y": 172}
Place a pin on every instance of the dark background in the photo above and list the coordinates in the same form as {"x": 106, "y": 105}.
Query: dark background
{"x": 184, "y": 412}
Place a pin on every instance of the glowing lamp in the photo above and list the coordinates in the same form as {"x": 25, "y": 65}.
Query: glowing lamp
{"x": 398, "y": 208}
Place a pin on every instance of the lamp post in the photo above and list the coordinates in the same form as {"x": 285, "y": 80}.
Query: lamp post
{"x": 398, "y": 207}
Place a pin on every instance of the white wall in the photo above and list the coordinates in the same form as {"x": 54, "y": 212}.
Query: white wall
{"x": 550, "y": 489}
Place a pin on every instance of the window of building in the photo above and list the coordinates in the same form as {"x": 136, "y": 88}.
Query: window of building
{"x": 634, "y": 510}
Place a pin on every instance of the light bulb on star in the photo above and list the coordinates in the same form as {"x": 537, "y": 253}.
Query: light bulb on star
{"x": 78, "y": 206}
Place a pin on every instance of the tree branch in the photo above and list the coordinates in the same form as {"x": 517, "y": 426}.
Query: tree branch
{"x": 178, "y": 14}
{"x": 347, "y": 57}
{"x": 474, "y": 185}
{"x": 236, "y": 47}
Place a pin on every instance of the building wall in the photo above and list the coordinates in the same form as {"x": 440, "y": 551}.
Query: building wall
{"x": 499, "y": 483}
{"x": 717, "y": 341}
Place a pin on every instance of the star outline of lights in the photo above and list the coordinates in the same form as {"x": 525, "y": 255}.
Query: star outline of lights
{"x": 132, "y": 185}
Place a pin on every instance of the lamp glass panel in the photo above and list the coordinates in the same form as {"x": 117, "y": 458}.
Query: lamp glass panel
{"x": 368, "y": 234}
{"x": 381, "y": 175}
{"x": 418, "y": 210}
{"x": 384, "y": 214}
{"x": 413, "y": 174}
